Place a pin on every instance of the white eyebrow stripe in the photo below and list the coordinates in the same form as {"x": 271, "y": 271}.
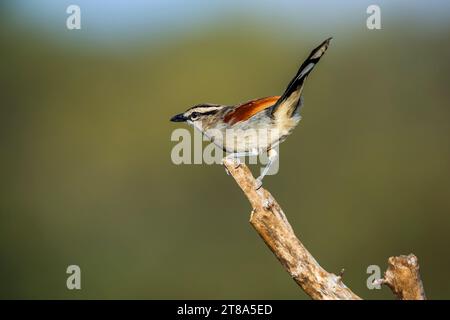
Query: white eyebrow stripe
{"x": 202, "y": 109}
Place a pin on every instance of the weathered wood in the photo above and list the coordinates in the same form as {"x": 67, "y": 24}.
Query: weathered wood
{"x": 271, "y": 223}
{"x": 403, "y": 278}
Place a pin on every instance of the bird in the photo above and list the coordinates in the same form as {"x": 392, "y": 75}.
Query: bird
{"x": 256, "y": 126}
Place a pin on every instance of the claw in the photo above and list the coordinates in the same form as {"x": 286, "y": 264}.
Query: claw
{"x": 267, "y": 203}
{"x": 258, "y": 184}
{"x": 237, "y": 163}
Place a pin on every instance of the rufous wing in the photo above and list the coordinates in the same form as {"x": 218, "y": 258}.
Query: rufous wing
{"x": 248, "y": 109}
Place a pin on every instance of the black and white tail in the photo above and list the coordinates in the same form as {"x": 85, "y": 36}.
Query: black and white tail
{"x": 291, "y": 99}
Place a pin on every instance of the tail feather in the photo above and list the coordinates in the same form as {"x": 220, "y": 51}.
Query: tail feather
{"x": 291, "y": 98}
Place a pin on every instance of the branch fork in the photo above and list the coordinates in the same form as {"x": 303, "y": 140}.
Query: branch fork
{"x": 270, "y": 222}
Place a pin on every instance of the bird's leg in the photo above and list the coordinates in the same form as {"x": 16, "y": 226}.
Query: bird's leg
{"x": 273, "y": 155}
{"x": 236, "y": 155}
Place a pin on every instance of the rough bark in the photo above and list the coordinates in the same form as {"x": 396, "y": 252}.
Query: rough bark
{"x": 403, "y": 278}
{"x": 271, "y": 223}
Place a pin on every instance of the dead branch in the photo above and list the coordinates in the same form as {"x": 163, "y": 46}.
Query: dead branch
{"x": 271, "y": 223}
{"x": 403, "y": 278}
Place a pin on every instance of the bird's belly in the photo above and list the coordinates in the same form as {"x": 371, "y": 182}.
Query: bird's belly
{"x": 253, "y": 135}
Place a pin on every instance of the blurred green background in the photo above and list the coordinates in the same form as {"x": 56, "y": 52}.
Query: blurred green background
{"x": 87, "y": 177}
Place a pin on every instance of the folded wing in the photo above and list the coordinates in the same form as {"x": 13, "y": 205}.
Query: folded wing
{"x": 248, "y": 109}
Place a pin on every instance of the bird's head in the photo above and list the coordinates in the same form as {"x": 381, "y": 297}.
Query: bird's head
{"x": 199, "y": 115}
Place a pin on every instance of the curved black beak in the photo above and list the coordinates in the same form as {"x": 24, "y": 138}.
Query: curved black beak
{"x": 178, "y": 118}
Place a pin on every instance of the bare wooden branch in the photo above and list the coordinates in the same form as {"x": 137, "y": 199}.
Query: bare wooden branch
{"x": 269, "y": 220}
{"x": 272, "y": 225}
{"x": 403, "y": 278}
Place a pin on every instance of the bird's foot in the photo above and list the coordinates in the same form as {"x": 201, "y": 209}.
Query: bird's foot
{"x": 236, "y": 163}
{"x": 258, "y": 183}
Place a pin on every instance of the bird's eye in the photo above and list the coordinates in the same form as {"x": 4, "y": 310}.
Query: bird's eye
{"x": 194, "y": 116}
